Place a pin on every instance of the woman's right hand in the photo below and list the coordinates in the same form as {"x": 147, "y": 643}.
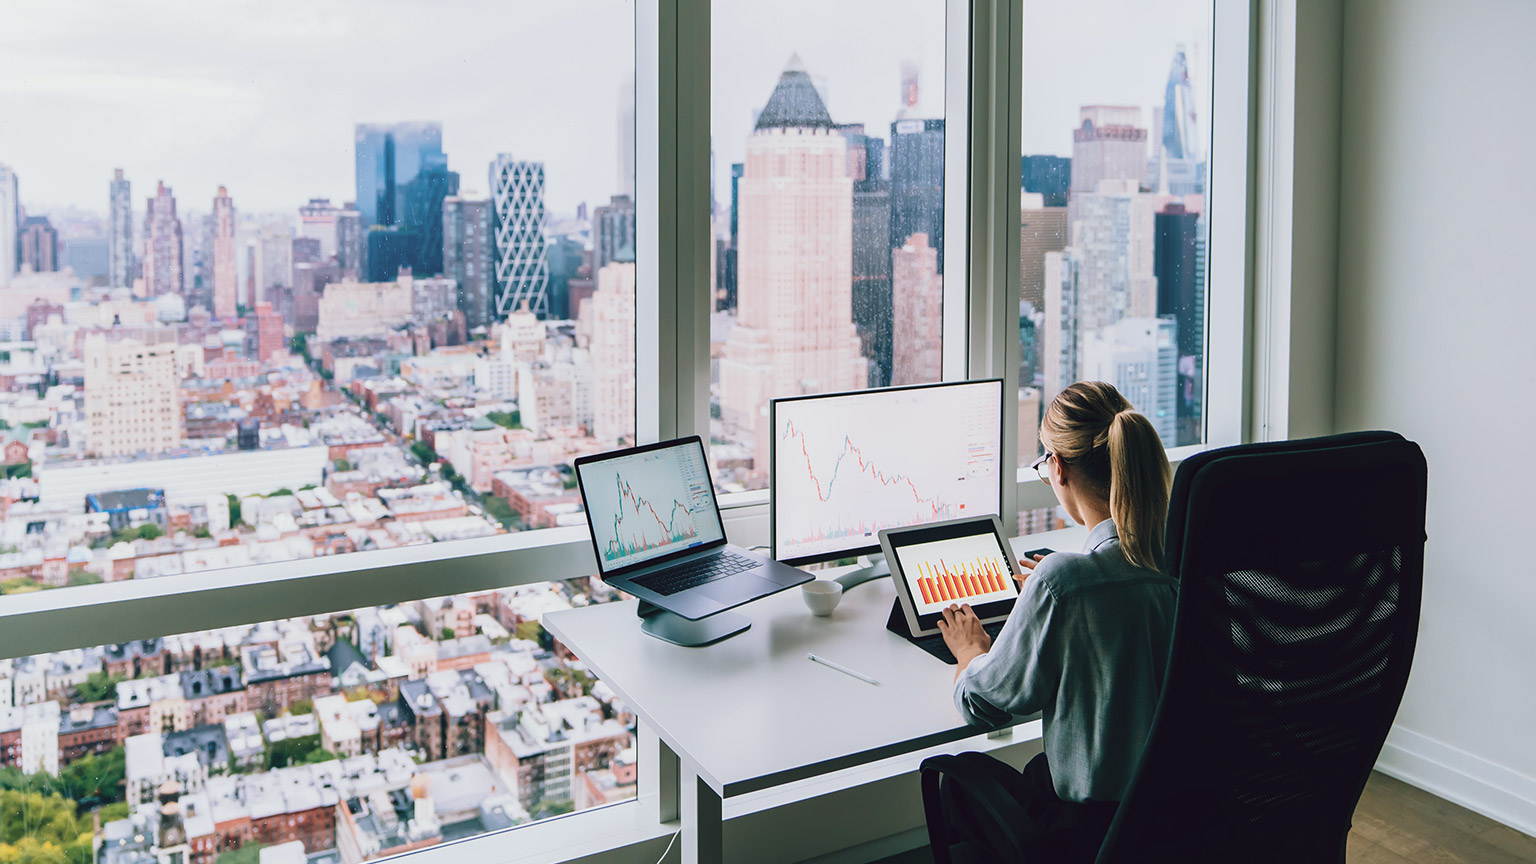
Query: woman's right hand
{"x": 1026, "y": 567}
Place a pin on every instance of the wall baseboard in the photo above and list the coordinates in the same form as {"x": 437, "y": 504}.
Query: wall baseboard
{"x": 1458, "y": 776}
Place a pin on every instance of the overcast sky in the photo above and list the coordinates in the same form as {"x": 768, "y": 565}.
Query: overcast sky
{"x": 262, "y": 96}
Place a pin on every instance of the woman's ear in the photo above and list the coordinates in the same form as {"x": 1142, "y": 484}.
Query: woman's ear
{"x": 1062, "y": 474}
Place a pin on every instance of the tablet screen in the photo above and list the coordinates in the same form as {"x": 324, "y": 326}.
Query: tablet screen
{"x": 958, "y": 563}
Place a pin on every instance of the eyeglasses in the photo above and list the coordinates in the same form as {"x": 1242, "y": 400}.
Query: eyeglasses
{"x": 1041, "y": 467}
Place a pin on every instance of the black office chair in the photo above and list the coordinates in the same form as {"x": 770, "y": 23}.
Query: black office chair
{"x": 1301, "y": 568}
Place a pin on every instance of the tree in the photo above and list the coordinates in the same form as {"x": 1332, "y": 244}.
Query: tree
{"x": 446, "y": 633}
{"x": 502, "y": 512}
{"x": 44, "y": 830}
{"x": 423, "y": 452}
{"x": 83, "y": 577}
{"x": 21, "y": 469}
{"x": 343, "y": 465}
{"x": 296, "y": 751}
{"x": 234, "y": 509}
{"x": 250, "y": 853}
{"x": 283, "y": 492}
{"x": 98, "y": 687}
{"x": 509, "y": 420}
{"x": 303, "y": 706}
{"x": 94, "y": 780}
{"x": 554, "y": 807}
{"x": 20, "y": 585}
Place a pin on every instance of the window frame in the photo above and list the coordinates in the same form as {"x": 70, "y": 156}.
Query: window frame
{"x": 672, "y": 40}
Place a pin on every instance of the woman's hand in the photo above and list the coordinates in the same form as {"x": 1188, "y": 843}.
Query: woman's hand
{"x": 963, "y": 634}
{"x": 1026, "y": 567}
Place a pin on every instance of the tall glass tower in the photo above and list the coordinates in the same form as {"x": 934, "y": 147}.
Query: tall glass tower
{"x": 402, "y": 179}
{"x": 518, "y": 223}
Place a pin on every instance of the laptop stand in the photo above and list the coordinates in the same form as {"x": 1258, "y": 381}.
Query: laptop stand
{"x": 674, "y": 628}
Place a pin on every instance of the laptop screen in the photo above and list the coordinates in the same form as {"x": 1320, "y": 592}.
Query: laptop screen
{"x": 650, "y": 503}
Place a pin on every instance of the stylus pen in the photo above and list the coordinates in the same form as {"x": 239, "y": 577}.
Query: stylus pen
{"x": 843, "y": 669}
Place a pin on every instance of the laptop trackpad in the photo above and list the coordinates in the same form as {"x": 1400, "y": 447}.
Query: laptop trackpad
{"x": 734, "y": 589}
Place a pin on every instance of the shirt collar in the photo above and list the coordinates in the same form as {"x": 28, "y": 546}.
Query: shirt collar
{"x": 1101, "y": 533}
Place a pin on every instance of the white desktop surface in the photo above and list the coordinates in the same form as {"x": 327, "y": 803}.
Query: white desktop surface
{"x": 752, "y": 711}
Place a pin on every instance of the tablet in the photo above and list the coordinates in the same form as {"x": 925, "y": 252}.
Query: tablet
{"x": 965, "y": 561}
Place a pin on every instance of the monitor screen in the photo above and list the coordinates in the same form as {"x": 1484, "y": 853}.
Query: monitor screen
{"x": 847, "y": 465}
{"x": 649, "y": 503}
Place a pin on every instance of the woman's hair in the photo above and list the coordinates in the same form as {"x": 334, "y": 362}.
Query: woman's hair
{"x": 1116, "y": 452}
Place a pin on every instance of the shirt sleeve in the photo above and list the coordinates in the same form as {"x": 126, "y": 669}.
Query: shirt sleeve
{"x": 1020, "y": 672}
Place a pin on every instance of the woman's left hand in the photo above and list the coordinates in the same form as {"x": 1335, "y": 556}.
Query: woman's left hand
{"x": 963, "y": 633}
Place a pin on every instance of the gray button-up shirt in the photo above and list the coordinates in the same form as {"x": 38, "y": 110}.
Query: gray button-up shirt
{"x": 1086, "y": 645}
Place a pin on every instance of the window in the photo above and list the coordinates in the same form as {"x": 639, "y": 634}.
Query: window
{"x": 374, "y": 731}
{"x": 828, "y": 209}
{"x": 1114, "y": 210}
{"x": 359, "y": 279}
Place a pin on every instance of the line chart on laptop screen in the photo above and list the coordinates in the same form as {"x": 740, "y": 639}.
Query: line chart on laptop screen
{"x": 847, "y": 467}
{"x": 650, "y": 503}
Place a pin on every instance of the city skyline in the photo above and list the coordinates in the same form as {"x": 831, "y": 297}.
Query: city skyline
{"x": 69, "y": 71}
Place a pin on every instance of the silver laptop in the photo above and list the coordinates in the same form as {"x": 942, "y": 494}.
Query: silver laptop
{"x": 657, "y": 532}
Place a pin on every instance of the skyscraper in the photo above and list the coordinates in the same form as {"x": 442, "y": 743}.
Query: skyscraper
{"x": 467, "y": 251}
{"x": 1178, "y": 161}
{"x": 871, "y": 250}
{"x": 613, "y": 232}
{"x": 569, "y": 258}
{"x": 518, "y": 221}
{"x": 1108, "y": 144}
{"x": 120, "y": 233}
{"x": 39, "y": 245}
{"x": 402, "y": 179}
{"x": 917, "y": 180}
{"x": 612, "y": 309}
{"x": 162, "y": 244}
{"x": 1105, "y": 275}
{"x": 349, "y": 240}
{"x": 917, "y": 313}
{"x": 1115, "y": 230}
{"x": 10, "y": 220}
{"x": 317, "y": 219}
{"x": 794, "y": 331}
{"x": 275, "y": 257}
{"x": 225, "y": 269}
{"x": 1042, "y": 229}
{"x": 1049, "y": 176}
{"x": 1139, "y": 357}
{"x": 1179, "y": 139}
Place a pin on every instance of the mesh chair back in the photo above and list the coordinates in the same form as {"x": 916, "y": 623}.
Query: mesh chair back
{"x": 1300, "y": 568}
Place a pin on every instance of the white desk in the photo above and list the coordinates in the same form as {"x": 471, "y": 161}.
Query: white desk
{"x": 752, "y": 712}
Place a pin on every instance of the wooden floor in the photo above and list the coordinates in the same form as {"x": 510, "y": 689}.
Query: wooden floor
{"x": 1399, "y": 824}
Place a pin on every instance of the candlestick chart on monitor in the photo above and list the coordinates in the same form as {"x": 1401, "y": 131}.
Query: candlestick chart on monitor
{"x": 847, "y": 466}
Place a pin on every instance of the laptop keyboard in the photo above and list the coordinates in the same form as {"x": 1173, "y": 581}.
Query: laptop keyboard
{"x": 935, "y": 644}
{"x": 696, "y": 573}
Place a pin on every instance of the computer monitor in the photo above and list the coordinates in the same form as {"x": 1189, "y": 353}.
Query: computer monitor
{"x": 843, "y": 466}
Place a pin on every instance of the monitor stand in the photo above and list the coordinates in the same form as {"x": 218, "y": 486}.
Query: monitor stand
{"x": 877, "y": 568}
{"x": 674, "y": 628}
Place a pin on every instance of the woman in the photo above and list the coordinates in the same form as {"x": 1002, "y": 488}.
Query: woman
{"x": 1087, "y": 643}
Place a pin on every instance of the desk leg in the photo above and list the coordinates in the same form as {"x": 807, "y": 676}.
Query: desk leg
{"x": 669, "y": 775}
{"x": 703, "y": 822}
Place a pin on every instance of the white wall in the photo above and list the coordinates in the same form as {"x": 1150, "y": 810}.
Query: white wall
{"x": 1437, "y": 340}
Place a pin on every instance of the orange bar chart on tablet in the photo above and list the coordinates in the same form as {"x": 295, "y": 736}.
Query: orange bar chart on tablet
{"x": 943, "y": 582}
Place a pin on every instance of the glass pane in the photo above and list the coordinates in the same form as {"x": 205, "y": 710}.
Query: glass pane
{"x": 1113, "y": 217}
{"x": 341, "y": 737}
{"x": 279, "y": 297}
{"x": 828, "y": 206}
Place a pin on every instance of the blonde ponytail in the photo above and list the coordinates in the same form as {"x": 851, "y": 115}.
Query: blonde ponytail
{"x": 1092, "y": 428}
{"x": 1138, "y": 488}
